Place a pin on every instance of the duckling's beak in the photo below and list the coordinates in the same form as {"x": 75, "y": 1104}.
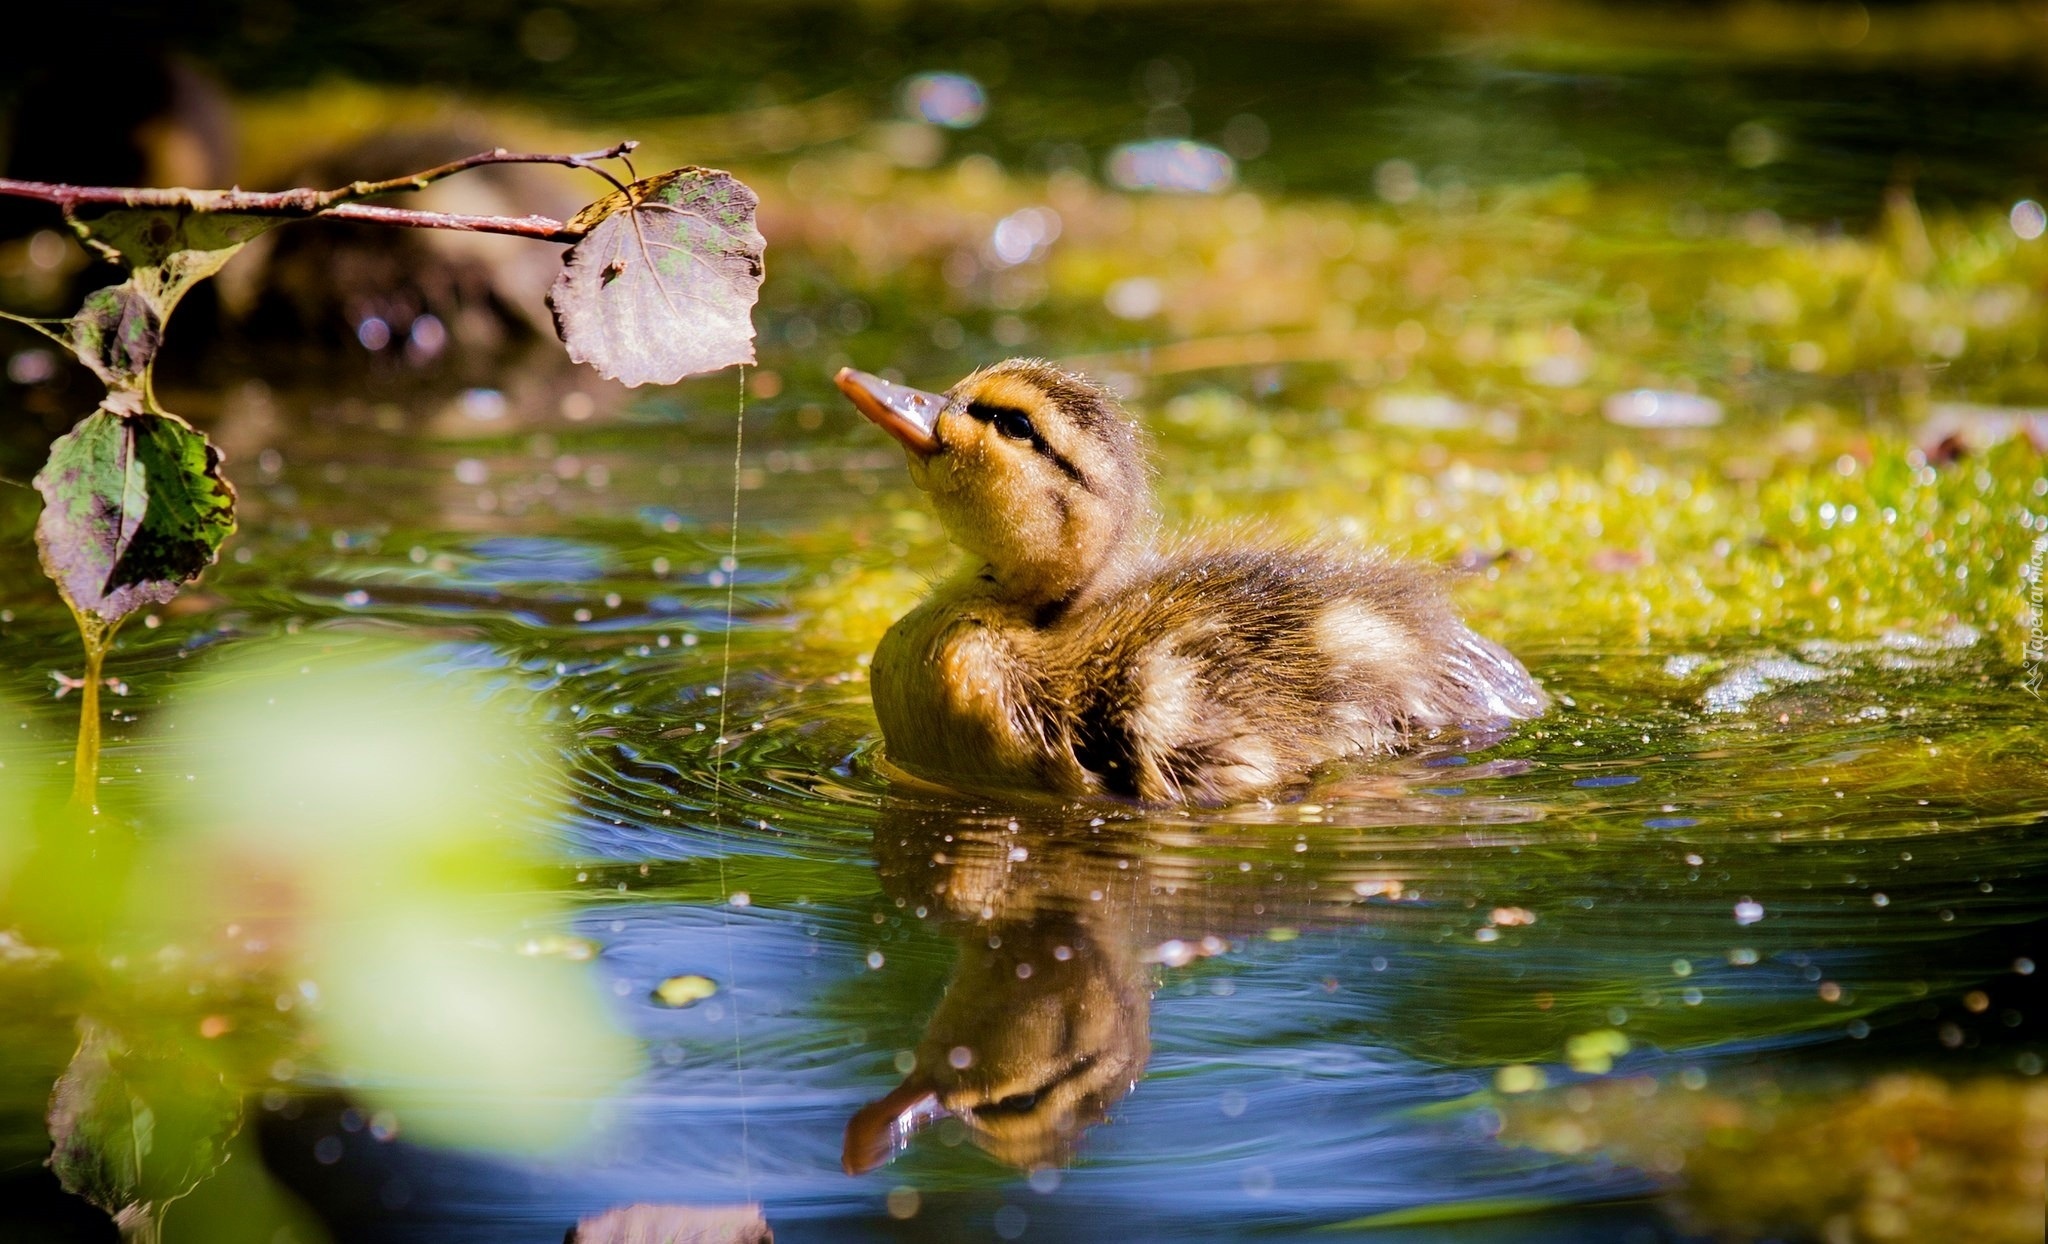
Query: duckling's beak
{"x": 905, "y": 413}
{"x": 880, "y": 1128}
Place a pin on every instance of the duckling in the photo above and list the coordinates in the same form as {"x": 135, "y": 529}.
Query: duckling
{"x": 1078, "y": 653}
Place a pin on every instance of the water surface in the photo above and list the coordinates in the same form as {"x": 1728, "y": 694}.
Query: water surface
{"x": 1771, "y": 861}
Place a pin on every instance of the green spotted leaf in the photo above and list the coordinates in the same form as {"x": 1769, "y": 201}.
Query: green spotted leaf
{"x": 170, "y": 248}
{"x": 116, "y": 333}
{"x": 134, "y": 507}
{"x": 663, "y": 283}
{"x": 119, "y": 329}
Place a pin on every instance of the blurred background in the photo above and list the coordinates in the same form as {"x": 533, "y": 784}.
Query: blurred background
{"x": 1704, "y": 337}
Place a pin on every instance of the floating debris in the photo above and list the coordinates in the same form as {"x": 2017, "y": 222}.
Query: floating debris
{"x": 682, "y": 991}
{"x": 675, "y": 1224}
{"x": 13, "y": 950}
{"x": 1759, "y": 676}
{"x": 1955, "y": 430}
{"x": 1176, "y": 953}
{"x": 1593, "y": 1053}
{"x": 1686, "y": 664}
{"x": 1430, "y": 412}
{"x": 1024, "y": 235}
{"x": 953, "y": 100}
{"x": 1176, "y": 165}
{"x": 1519, "y": 1078}
{"x": 1135, "y": 298}
{"x": 1661, "y": 408}
{"x": 559, "y": 946}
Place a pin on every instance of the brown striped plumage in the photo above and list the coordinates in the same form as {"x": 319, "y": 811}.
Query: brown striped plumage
{"x": 1077, "y": 655}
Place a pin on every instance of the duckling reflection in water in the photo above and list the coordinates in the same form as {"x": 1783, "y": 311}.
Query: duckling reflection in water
{"x": 1077, "y": 655}
{"x": 1044, "y": 1026}
{"x": 1045, "y": 1023}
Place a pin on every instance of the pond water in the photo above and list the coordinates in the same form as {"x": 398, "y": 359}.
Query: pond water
{"x": 1739, "y": 941}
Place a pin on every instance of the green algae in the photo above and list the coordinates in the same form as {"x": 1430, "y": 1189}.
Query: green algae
{"x": 1904, "y": 1156}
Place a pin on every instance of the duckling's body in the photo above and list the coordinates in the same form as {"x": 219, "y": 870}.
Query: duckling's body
{"x": 1076, "y": 656}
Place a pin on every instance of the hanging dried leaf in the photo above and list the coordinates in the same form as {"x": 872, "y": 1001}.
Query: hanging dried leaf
{"x": 116, "y": 333}
{"x": 134, "y": 507}
{"x": 664, "y": 282}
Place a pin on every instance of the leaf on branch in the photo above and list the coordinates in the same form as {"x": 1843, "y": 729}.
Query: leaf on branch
{"x": 182, "y": 244}
{"x": 137, "y": 1129}
{"x": 116, "y": 333}
{"x": 664, "y": 281}
{"x": 134, "y": 507}
{"x": 167, "y": 250}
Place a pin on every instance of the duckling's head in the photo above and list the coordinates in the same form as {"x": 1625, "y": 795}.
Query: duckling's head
{"x": 1037, "y": 471}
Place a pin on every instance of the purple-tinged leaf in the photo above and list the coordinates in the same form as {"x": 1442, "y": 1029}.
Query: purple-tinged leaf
{"x": 116, "y": 333}
{"x": 134, "y": 507}
{"x": 664, "y": 282}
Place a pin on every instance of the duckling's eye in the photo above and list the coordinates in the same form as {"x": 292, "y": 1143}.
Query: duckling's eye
{"x": 1015, "y": 1103}
{"x": 1017, "y": 426}
{"x": 1014, "y": 424}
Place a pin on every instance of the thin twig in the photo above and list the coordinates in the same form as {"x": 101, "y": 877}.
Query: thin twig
{"x": 498, "y": 155}
{"x": 43, "y": 326}
{"x": 545, "y": 228}
{"x": 342, "y": 202}
{"x": 585, "y": 163}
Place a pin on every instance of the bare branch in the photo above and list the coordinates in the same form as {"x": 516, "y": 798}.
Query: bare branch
{"x": 342, "y": 202}
{"x": 543, "y": 228}
{"x": 421, "y": 180}
{"x": 47, "y": 327}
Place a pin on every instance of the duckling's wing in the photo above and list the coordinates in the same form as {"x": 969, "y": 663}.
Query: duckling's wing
{"x": 1201, "y": 680}
{"x": 1225, "y": 672}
